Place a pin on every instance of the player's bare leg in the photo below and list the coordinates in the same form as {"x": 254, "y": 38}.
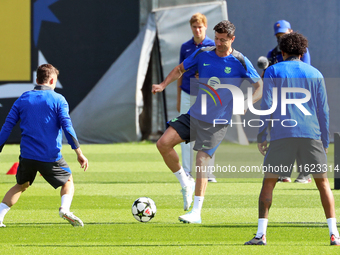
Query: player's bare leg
{"x": 12, "y": 196}
{"x": 327, "y": 200}
{"x": 166, "y": 145}
{"x": 68, "y": 187}
{"x": 202, "y": 163}
{"x": 266, "y": 194}
{"x": 326, "y": 194}
{"x": 265, "y": 202}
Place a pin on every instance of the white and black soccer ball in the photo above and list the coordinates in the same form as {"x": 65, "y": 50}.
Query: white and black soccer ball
{"x": 144, "y": 209}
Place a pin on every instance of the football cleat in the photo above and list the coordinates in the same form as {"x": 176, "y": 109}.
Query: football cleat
{"x": 335, "y": 240}
{"x": 71, "y": 218}
{"x": 303, "y": 180}
{"x": 187, "y": 193}
{"x": 257, "y": 241}
{"x": 2, "y": 225}
{"x": 284, "y": 179}
{"x": 190, "y": 217}
{"x": 211, "y": 177}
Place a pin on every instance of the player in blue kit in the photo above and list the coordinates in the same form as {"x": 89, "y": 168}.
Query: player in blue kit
{"x": 186, "y": 94}
{"x": 215, "y": 65}
{"x": 274, "y": 56}
{"x": 299, "y": 132}
{"x": 43, "y": 114}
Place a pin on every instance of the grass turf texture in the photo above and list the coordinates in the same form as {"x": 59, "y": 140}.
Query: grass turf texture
{"x": 121, "y": 173}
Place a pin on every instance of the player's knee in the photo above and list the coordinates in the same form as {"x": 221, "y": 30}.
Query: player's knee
{"x": 321, "y": 183}
{"x": 161, "y": 145}
{"x": 24, "y": 186}
{"x": 70, "y": 179}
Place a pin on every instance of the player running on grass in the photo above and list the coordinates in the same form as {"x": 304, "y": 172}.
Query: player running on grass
{"x": 43, "y": 113}
{"x": 220, "y": 64}
{"x": 303, "y": 137}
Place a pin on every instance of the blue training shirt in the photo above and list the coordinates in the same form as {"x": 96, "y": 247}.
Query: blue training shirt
{"x": 43, "y": 114}
{"x": 293, "y": 73}
{"x": 187, "y": 49}
{"x": 232, "y": 69}
{"x": 278, "y": 56}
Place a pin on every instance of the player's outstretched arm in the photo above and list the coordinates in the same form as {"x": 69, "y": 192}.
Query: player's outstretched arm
{"x": 175, "y": 74}
{"x": 83, "y": 161}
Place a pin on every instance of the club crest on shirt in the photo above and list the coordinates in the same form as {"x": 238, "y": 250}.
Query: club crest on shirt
{"x": 227, "y": 69}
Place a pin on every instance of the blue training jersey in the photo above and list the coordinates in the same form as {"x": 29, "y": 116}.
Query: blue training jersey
{"x": 43, "y": 114}
{"x": 187, "y": 49}
{"x": 274, "y": 56}
{"x": 293, "y": 73}
{"x": 232, "y": 69}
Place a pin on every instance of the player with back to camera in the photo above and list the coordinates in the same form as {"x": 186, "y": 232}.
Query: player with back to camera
{"x": 186, "y": 92}
{"x": 43, "y": 114}
{"x": 306, "y": 138}
{"x": 274, "y": 56}
{"x": 213, "y": 64}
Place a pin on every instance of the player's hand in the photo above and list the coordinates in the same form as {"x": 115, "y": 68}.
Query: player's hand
{"x": 326, "y": 150}
{"x": 157, "y": 88}
{"x": 83, "y": 161}
{"x": 263, "y": 147}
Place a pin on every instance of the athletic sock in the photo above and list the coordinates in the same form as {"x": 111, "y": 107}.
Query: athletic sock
{"x": 182, "y": 177}
{"x": 261, "y": 227}
{"x": 3, "y": 210}
{"x": 66, "y": 201}
{"x": 198, "y": 203}
{"x": 332, "y": 227}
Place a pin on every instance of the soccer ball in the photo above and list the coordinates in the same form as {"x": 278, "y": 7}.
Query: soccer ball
{"x": 144, "y": 209}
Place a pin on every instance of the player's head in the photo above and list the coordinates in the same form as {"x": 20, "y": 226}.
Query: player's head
{"x": 281, "y": 27}
{"x": 225, "y": 27}
{"x": 294, "y": 44}
{"x": 47, "y": 74}
{"x": 198, "y": 24}
{"x": 224, "y": 35}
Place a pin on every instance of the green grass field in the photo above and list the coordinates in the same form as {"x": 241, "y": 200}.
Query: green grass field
{"x": 121, "y": 173}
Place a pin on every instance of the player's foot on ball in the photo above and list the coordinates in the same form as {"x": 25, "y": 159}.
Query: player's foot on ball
{"x": 71, "y": 218}
{"x": 2, "y": 225}
{"x": 187, "y": 192}
{"x": 284, "y": 179}
{"x": 335, "y": 240}
{"x": 190, "y": 217}
{"x": 257, "y": 241}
